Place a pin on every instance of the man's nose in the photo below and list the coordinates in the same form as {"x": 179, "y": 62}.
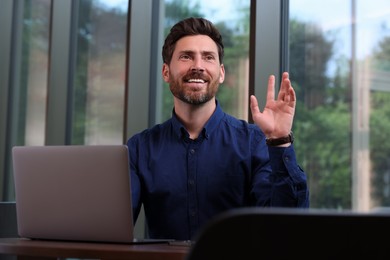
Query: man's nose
{"x": 197, "y": 64}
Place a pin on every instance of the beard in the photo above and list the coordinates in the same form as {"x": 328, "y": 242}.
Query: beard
{"x": 190, "y": 96}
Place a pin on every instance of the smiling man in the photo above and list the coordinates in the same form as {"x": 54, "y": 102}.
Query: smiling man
{"x": 202, "y": 161}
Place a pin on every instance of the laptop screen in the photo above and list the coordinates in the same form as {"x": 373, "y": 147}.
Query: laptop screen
{"x": 73, "y": 192}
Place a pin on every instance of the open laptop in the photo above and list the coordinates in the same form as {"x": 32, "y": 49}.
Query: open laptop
{"x": 74, "y": 192}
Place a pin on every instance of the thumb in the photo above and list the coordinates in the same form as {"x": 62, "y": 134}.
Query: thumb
{"x": 254, "y": 105}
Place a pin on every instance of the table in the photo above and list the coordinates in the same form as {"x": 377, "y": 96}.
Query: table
{"x": 42, "y": 249}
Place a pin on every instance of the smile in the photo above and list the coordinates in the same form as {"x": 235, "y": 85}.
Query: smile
{"x": 196, "y": 81}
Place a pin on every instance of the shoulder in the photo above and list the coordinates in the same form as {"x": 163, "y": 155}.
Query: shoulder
{"x": 149, "y": 134}
{"x": 241, "y": 125}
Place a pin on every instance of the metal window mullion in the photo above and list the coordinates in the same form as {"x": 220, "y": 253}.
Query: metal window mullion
{"x": 266, "y": 46}
{"x": 10, "y": 61}
{"x": 6, "y": 8}
{"x": 137, "y": 100}
{"x": 59, "y": 97}
{"x": 284, "y": 36}
{"x": 156, "y": 82}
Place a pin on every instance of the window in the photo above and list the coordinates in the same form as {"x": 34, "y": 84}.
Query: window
{"x": 24, "y": 87}
{"x": 341, "y": 74}
{"x": 34, "y": 69}
{"x": 339, "y": 67}
{"x": 99, "y": 74}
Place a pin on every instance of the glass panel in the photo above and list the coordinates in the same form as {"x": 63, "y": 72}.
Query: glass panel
{"x": 99, "y": 85}
{"x": 340, "y": 70}
{"x": 30, "y": 84}
{"x": 373, "y": 57}
{"x": 34, "y": 69}
{"x": 231, "y": 17}
{"x": 320, "y": 54}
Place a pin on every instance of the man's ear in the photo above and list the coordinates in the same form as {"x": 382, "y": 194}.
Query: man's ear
{"x": 165, "y": 72}
{"x": 222, "y": 74}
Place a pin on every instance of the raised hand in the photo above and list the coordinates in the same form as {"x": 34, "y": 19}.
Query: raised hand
{"x": 277, "y": 118}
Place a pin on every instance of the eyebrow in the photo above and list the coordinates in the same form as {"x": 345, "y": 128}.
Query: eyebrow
{"x": 202, "y": 52}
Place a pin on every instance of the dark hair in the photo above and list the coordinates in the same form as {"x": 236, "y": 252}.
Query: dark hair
{"x": 191, "y": 26}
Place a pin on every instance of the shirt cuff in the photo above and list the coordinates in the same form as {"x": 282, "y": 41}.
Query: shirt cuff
{"x": 282, "y": 158}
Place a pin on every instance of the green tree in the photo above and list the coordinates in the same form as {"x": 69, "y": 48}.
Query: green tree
{"x": 380, "y": 127}
{"x": 310, "y": 52}
{"x": 322, "y": 118}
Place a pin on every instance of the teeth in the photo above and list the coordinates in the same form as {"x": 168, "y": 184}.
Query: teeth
{"x": 196, "y": 80}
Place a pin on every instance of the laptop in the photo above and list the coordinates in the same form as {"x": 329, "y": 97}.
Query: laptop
{"x": 75, "y": 193}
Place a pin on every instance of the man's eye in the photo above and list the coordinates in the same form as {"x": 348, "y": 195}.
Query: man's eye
{"x": 185, "y": 57}
{"x": 210, "y": 57}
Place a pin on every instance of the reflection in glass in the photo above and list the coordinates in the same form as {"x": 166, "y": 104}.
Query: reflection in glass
{"x": 34, "y": 69}
{"x": 341, "y": 74}
{"x": 373, "y": 47}
{"x": 100, "y": 73}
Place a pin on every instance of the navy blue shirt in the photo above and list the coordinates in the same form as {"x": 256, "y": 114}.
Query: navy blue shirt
{"x": 183, "y": 183}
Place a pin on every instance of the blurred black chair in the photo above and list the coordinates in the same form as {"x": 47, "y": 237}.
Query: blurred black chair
{"x": 8, "y": 224}
{"x": 259, "y": 233}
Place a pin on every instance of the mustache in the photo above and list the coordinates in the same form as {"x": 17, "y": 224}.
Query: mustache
{"x": 198, "y": 74}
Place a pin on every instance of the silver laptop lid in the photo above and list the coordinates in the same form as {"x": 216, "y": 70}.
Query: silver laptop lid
{"x": 79, "y": 193}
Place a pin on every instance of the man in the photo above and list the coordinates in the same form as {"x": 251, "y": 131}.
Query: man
{"x": 202, "y": 161}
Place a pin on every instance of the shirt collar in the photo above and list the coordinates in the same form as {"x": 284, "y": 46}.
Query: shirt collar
{"x": 211, "y": 124}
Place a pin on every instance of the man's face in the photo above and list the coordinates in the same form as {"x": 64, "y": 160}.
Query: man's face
{"x": 194, "y": 73}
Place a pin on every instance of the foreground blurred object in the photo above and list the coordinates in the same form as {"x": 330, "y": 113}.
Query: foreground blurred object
{"x": 269, "y": 233}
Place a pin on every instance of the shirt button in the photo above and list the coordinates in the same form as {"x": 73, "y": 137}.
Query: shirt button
{"x": 193, "y": 213}
{"x": 192, "y": 151}
{"x": 191, "y": 182}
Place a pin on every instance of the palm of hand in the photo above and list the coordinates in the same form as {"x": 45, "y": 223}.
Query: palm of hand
{"x": 277, "y": 118}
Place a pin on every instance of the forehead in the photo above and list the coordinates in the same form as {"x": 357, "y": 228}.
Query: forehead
{"x": 196, "y": 43}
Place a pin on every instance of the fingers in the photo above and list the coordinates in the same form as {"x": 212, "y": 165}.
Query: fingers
{"x": 285, "y": 83}
{"x": 254, "y": 105}
{"x": 285, "y": 75}
{"x": 271, "y": 88}
{"x": 286, "y": 92}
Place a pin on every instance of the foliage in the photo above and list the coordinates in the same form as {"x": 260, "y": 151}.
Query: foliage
{"x": 379, "y": 128}
{"x": 380, "y": 147}
{"x": 322, "y": 118}
{"x": 310, "y": 52}
{"x": 323, "y": 148}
